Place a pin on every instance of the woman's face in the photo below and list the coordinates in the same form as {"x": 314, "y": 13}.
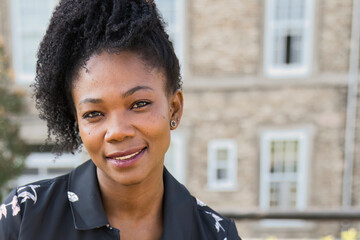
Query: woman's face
{"x": 123, "y": 112}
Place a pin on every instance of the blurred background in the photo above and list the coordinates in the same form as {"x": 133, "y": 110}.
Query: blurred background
{"x": 270, "y": 131}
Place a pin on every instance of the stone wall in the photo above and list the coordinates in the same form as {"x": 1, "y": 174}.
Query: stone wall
{"x": 334, "y": 34}
{"x": 225, "y": 37}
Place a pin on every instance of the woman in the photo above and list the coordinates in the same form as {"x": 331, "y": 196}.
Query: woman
{"x": 108, "y": 78}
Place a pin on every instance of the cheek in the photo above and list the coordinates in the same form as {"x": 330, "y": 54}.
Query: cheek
{"x": 90, "y": 137}
{"x": 155, "y": 125}
{"x": 161, "y": 130}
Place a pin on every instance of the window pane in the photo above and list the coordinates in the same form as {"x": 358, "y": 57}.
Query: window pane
{"x": 167, "y": 10}
{"x": 280, "y": 46}
{"x": 221, "y": 174}
{"x": 277, "y": 156}
{"x": 295, "y": 49}
{"x": 297, "y": 9}
{"x": 293, "y": 194}
{"x": 281, "y": 9}
{"x": 288, "y": 47}
{"x": 284, "y": 156}
{"x": 291, "y": 156}
{"x": 286, "y": 10}
{"x": 34, "y": 15}
{"x": 274, "y": 194}
{"x": 283, "y": 194}
{"x": 29, "y": 49}
{"x": 222, "y": 154}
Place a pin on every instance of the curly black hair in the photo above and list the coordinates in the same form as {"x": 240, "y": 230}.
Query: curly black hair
{"x": 77, "y": 30}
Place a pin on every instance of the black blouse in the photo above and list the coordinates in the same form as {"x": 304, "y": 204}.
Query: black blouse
{"x": 70, "y": 207}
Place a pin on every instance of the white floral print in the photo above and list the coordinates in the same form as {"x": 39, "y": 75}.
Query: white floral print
{"x": 3, "y": 211}
{"x": 15, "y": 206}
{"x": 72, "y": 197}
{"x": 200, "y": 203}
{"x": 23, "y": 195}
{"x": 217, "y": 221}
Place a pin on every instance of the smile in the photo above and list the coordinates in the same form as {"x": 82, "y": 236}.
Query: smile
{"x": 128, "y": 156}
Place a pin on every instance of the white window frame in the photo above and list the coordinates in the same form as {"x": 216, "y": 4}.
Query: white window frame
{"x": 303, "y": 154}
{"x": 22, "y": 77}
{"x": 178, "y": 156}
{"x": 44, "y": 161}
{"x": 178, "y": 30}
{"x": 283, "y": 71}
{"x": 229, "y": 184}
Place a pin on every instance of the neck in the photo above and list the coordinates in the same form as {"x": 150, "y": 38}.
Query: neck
{"x": 132, "y": 202}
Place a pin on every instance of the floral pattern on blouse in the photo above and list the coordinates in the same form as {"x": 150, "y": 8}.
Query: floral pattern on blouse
{"x": 23, "y": 194}
{"x": 72, "y": 197}
{"x": 200, "y": 203}
{"x": 217, "y": 221}
{"x": 216, "y": 217}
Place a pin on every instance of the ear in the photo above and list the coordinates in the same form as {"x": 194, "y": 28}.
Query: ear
{"x": 176, "y": 107}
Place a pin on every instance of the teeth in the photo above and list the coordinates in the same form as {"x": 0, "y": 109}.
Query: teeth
{"x": 127, "y": 156}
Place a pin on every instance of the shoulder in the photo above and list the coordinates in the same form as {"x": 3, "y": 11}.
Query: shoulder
{"x": 38, "y": 193}
{"x": 24, "y": 200}
{"x": 221, "y": 227}
{"x": 33, "y": 196}
{"x": 185, "y": 213}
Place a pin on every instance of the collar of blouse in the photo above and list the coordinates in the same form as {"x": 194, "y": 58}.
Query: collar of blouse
{"x": 88, "y": 212}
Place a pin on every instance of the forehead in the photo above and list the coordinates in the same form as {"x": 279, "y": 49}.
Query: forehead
{"x": 124, "y": 69}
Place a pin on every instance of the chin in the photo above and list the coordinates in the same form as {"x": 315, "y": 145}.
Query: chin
{"x": 130, "y": 178}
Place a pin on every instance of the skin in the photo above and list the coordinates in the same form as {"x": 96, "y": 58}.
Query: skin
{"x": 122, "y": 106}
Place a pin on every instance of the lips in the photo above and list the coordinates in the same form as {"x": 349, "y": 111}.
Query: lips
{"x": 126, "y": 155}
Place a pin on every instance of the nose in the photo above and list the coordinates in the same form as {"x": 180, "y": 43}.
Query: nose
{"x": 118, "y": 128}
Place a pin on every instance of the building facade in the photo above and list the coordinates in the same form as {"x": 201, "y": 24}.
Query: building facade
{"x": 266, "y": 90}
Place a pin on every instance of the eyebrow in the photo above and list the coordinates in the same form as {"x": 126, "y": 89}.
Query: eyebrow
{"x": 124, "y": 95}
{"x": 135, "y": 89}
{"x": 90, "y": 100}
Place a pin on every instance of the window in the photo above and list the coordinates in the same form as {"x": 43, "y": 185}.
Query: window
{"x": 30, "y": 19}
{"x": 283, "y": 169}
{"x": 44, "y": 165}
{"x": 222, "y": 165}
{"x": 288, "y": 37}
{"x": 175, "y": 157}
{"x": 173, "y": 14}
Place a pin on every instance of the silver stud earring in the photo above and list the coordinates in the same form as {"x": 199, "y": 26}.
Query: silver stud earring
{"x": 172, "y": 124}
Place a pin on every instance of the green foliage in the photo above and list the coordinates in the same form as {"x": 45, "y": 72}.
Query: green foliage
{"x": 12, "y": 148}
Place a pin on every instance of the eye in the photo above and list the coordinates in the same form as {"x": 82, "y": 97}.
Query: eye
{"x": 140, "y": 104}
{"x": 93, "y": 114}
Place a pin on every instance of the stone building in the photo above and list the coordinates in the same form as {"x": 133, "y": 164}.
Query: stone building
{"x": 263, "y": 134}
